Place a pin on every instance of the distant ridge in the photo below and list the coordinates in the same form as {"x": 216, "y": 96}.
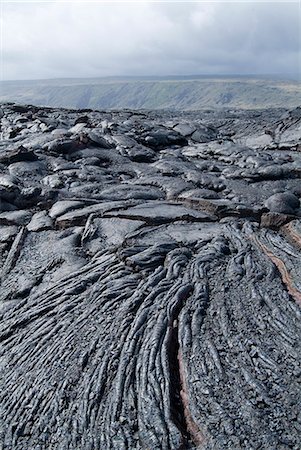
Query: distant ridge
{"x": 173, "y": 92}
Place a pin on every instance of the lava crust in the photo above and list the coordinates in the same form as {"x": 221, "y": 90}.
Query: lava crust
{"x": 150, "y": 284}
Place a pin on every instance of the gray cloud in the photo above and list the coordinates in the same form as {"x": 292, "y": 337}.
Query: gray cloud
{"x": 82, "y": 39}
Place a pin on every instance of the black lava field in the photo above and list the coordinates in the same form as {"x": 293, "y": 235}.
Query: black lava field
{"x": 150, "y": 279}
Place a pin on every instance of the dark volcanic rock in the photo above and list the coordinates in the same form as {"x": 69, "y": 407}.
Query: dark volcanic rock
{"x": 161, "y": 212}
{"x": 61, "y": 146}
{"x": 11, "y": 155}
{"x": 274, "y": 220}
{"x": 98, "y": 140}
{"x": 20, "y": 217}
{"x": 150, "y": 279}
{"x": 285, "y": 203}
{"x": 160, "y": 139}
{"x": 40, "y": 221}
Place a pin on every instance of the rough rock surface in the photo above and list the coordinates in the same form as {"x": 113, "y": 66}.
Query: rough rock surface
{"x": 150, "y": 284}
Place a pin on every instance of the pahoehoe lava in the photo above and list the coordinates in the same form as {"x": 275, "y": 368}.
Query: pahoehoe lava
{"x": 150, "y": 279}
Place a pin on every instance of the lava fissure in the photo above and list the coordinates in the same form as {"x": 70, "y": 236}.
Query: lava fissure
{"x": 177, "y": 407}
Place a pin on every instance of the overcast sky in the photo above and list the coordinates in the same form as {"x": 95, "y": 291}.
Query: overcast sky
{"x": 90, "y": 39}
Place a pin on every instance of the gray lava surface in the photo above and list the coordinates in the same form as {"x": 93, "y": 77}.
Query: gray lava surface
{"x": 150, "y": 279}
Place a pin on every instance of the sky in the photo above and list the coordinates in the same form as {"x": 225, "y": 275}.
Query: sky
{"x": 58, "y": 39}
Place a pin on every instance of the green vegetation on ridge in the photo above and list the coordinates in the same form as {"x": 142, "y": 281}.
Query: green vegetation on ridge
{"x": 183, "y": 94}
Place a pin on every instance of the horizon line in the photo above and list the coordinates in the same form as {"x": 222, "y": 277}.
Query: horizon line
{"x": 290, "y": 75}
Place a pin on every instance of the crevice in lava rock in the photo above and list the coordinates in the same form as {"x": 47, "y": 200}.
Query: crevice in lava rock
{"x": 193, "y": 430}
{"x": 181, "y": 416}
{"x": 285, "y": 275}
{"x": 177, "y": 407}
{"x": 292, "y": 234}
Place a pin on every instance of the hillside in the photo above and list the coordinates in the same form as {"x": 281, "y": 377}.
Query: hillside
{"x": 155, "y": 93}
